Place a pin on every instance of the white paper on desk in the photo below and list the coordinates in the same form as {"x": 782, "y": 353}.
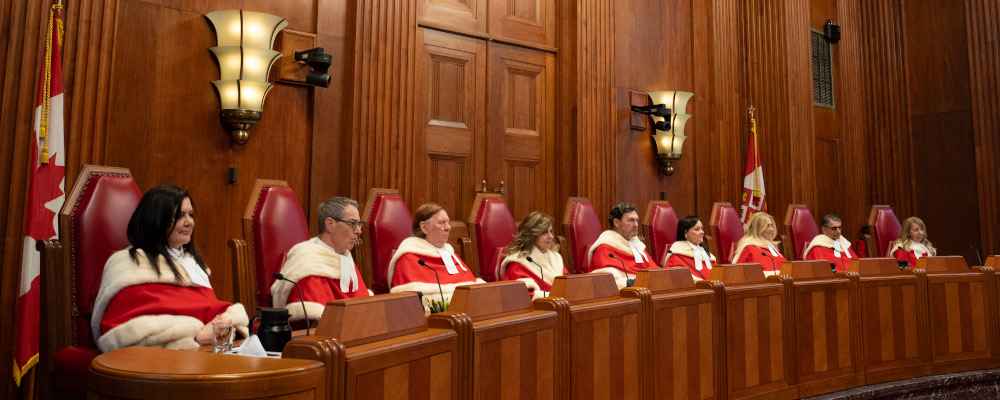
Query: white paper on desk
{"x": 251, "y": 347}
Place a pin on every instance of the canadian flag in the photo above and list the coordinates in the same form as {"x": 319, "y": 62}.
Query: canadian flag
{"x": 46, "y": 182}
{"x": 754, "y": 197}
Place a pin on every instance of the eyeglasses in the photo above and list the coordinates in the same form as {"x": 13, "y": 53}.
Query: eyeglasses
{"x": 833, "y": 228}
{"x": 350, "y": 224}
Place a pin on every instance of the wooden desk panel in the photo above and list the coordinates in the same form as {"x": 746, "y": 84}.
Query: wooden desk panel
{"x": 827, "y": 319}
{"x": 758, "y": 335}
{"x": 962, "y": 306}
{"x": 609, "y": 349}
{"x": 895, "y": 331}
{"x": 150, "y": 373}
{"x": 512, "y": 351}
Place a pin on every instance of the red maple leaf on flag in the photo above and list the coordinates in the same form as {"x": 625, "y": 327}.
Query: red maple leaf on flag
{"x": 45, "y": 181}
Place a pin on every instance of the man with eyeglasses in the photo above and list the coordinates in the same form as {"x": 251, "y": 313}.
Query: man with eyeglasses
{"x": 323, "y": 266}
{"x": 830, "y": 245}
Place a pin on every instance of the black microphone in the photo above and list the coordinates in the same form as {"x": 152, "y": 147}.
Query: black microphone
{"x": 691, "y": 267}
{"x": 540, "y": 273}
{"x": 434, "y": 307}
{"x": 279, "y": 276}
{"x": 841, "y": 257}
{"x": 908, "y": 258}
{"x": 977, "y": 254}
{"x": 628, "y": 281}
{"x": 833, "y": 266}
{"x": 764, "y": 253}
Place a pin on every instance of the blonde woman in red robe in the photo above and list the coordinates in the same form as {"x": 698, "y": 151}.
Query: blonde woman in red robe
{"x": 619, "y": 251}
{"x": 830, "y": 245}
{"x": 425, "y": 262}
{"x": 758, "y": 246}
{"x": 912, "y": 243}
{"x": 322, "y": 266}
{"x": 690, "y": 252}
{"x": 533, "y": 257}
{"x": 156, "y": 293}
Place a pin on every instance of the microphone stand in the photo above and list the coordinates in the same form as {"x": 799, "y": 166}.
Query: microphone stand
{"x": 541, "y": 274}
{"x": 628, "y": 281}
{"x": 438, "y": 278}
{"x": 908, "y": 258}
{"x": 764, "y": 253}
{"x": 691, "y": 267}
{"x": 302, "y": 300}
{"x": 980, "y": 258}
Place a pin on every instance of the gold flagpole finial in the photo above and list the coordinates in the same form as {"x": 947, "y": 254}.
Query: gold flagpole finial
{"x": 751, "y": 111}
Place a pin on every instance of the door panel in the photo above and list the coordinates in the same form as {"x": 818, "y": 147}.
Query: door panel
{"x": 529, "y": 21}
{"x": 520, "y": 126}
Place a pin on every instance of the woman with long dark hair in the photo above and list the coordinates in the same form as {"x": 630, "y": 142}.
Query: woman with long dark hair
{"x": 534, "y": 240}
{"x": 689, "y": 250}
{"x": 156, "y": 293}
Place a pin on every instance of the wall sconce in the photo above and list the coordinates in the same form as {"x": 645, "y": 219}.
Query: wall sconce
{"x": 669, "y": 114}
{"x": 245, "y": 58}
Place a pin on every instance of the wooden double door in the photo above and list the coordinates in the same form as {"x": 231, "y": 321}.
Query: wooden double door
{"x": 484, "y": 112}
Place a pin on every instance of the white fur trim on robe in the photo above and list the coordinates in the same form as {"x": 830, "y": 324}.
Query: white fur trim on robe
{"x": 430, "y": 290}
{"x": 550, "y": 261}
{"x": 681, "y": 247}
{"x": 822, "y": 240}
{"x": 617, "y": 241}
{"x": 918, "y": 249}
{"x": 305, "y": 259}
{"x": 747, "y": 241}
{"x": 121, "y": 272}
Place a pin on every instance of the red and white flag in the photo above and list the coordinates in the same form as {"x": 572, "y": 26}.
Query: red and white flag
{"x": 46, "y": 181}
{"x": 754, "y": 197}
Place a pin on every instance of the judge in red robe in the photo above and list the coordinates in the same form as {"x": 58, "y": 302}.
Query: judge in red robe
{"x": 619, "y": 251}
{"x": 322, "y": 266}
{"x": 156, "y": 293}
{"x": 690, "y": 252}
{"x": 533, "y": 257}
{"x": 912, "y": 243}
{"x": 441, "y": 272}
{"x": 758, "y": 246}
{"x": 830, "y": 245}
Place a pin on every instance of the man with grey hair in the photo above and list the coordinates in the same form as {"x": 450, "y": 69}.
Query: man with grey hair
{"x": 618, "y": 251}
{"x": 322, "y": 266}
{"x": 830, "y": 245}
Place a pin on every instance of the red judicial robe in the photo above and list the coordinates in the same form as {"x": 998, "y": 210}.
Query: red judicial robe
{"x": 821, "y": 248}
{"x": 916, "y": 250}
{"x": 768, "y": 257}
{"x": 627, "y": 252}
{"x": 407, "y": 275}
{"x": 681, "y": 254}
{"x": 318, "y": 270}
{"x": 137, "y": 307}
{"x": 518, "y": 268}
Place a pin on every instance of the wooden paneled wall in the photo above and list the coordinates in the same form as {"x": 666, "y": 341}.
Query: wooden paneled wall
{"x": 916, "y": 110}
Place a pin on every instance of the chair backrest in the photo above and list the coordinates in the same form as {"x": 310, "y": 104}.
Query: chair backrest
{"x": 660, "y": 226}
{"x": 885, "y": 229}
{"x": 272, "y": 224}
{"x": 493, "y": 228}
{"x": 386, "y": 222}
{"x": 727, "y": 229}
{"x": 93, "y": 222}
{"x": 582, "y": 227}
{"x": 801, "y": 228}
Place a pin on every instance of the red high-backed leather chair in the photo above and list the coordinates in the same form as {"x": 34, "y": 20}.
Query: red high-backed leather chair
{"x": 884, "y": 228}
{"x": 386, "y": 222}
{"x": 272, "y": 223}
{"x": 493, "y": 228}
{"x": 660, "y": 227}
{"x": 582, "y": 227}
{"x": 727, "y": 229}
{"x": 801, "y": 228}
{"x": 92, "y": 225}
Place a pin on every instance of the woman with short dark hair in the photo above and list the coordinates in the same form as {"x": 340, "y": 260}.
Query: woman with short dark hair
{"x": 426, "y": 263}
{"x": 533, "y": 257}
{"x": 156, "y": 293}
{"x": 689, "y": 250}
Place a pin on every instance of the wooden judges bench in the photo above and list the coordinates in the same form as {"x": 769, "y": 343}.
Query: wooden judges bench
{"x": 805, "y": 332}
